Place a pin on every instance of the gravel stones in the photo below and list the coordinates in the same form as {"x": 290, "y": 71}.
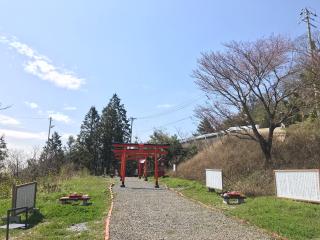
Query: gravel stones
{"x": 80, "y": 227}
{"x": 143, "y": 212}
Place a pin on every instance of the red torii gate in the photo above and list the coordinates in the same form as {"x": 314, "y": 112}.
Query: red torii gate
{"x": 133, "y": 151}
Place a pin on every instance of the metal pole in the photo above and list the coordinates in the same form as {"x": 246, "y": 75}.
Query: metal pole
{"x": 50, "y": 126}
{"x": 131, "y": 125}
{"x": 8, "y": 218}
{"x": 27, "y": 215}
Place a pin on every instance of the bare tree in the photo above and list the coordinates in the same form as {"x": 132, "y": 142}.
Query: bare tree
{"x": 15, "y": 161}
{"x": 32, "y": 170}
{"x": 246, "y": 73}
{"x": 3, "y": 152}
{"x": 3, "y": 145}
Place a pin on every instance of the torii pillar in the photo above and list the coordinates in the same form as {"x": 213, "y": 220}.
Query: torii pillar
{"x": 123, "y": 168}
{"x": 156, "y": 169}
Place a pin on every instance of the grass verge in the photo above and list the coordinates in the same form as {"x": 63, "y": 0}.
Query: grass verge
{"x": 290, "y": 219}
{"x": 54, "y": 218}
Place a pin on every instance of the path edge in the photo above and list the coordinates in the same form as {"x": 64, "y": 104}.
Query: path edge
{"x": 242, "y": 221}
{"x": 108, "y": 219}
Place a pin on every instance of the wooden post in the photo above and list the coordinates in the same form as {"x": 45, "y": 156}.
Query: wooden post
{"x": 123, "y": 168}
{"x": 156, "y": 169}
{"x": 139, "y": 169}
{"x": 145, "y": 170}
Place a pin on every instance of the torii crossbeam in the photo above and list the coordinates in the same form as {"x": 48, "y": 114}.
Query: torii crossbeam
{"x": 133, "y": 151}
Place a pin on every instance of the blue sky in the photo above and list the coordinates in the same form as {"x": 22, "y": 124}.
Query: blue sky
{"x": 58, "y": 58}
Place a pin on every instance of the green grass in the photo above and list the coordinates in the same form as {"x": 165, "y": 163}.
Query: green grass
{"x": 194, "y": 190}
{"x": 290, "y": 219}
{"x": 54, "y": 218}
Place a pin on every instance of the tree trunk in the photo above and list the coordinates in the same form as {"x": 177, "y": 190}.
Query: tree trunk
{"x": 266, "y": 149}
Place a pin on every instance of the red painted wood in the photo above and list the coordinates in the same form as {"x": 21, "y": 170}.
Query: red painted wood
{"x": 135, "y": 152}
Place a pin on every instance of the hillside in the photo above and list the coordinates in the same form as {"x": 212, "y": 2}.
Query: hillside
{"x": 241, "y": 160}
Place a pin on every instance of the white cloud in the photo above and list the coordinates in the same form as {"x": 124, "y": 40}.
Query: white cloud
{"x": 166, "y": 105}
{"x": 42, "y": 67}
{"x": 32, "y": 105}
{"x": 60, "y": 117}
{"x": 23, "y": 49}
{"x": 70, "y": 108}
{"x": 23, "y": 135}
{"x": 6, "y": 120}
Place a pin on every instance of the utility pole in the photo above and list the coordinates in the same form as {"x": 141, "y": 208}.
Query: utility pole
{"x": 308, "y": 17}
{"x": 131, "y": 119}
{"x": 50, "y": 126}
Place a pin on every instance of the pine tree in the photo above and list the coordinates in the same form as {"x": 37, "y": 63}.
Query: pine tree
{"x": 89, "y": 140}
{"x": 70, "y": 146}
{"x": 115, "y": 127}
{"x": 205, "y": 127}
{"x": 71, "y": 150}
{"x": 3, "y": 151}
{"x": 52, "y": 157}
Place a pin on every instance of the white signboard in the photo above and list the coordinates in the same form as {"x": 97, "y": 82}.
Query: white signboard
{"x": 214, "y": 179}
{"x": 24, "y": 196}
{"x": 298, "y": 184}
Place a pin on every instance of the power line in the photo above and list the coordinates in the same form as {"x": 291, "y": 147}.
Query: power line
{"x": 31, "y": 118}
{"x": 167, "y": 124}
{"x": 27, "y": 117}
{"x": 170, "y": 123}
{"x": 177, "y": 108}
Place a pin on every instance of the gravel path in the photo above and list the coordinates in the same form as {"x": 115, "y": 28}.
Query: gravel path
{"x": 143, "y": 212}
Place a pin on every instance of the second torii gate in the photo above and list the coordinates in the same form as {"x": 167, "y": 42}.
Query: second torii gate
{"x": 132, "y": 151}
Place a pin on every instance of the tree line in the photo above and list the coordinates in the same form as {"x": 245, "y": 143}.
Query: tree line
{"x": 90, "y": 149}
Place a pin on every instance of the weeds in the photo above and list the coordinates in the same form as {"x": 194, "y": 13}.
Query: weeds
{"x": 242, "y": 160}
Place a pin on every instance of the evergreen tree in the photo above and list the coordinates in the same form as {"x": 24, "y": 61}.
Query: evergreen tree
{"x": 115, "y": 127}
{"x": 205, "y": 126}
{"x": 88, "y": 140}
{"x": 3, "y": 151}
{"x": 71, "y": 150}
{"x": 176, "y": 153}
{"x": 52, "y": 157}
{"x": 71, "y": 143}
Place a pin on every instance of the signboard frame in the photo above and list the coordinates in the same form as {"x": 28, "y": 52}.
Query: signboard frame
{"x": 296, "y": 170}
{"x": 15, "y": 196}
{"x": 215, "y": 187}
